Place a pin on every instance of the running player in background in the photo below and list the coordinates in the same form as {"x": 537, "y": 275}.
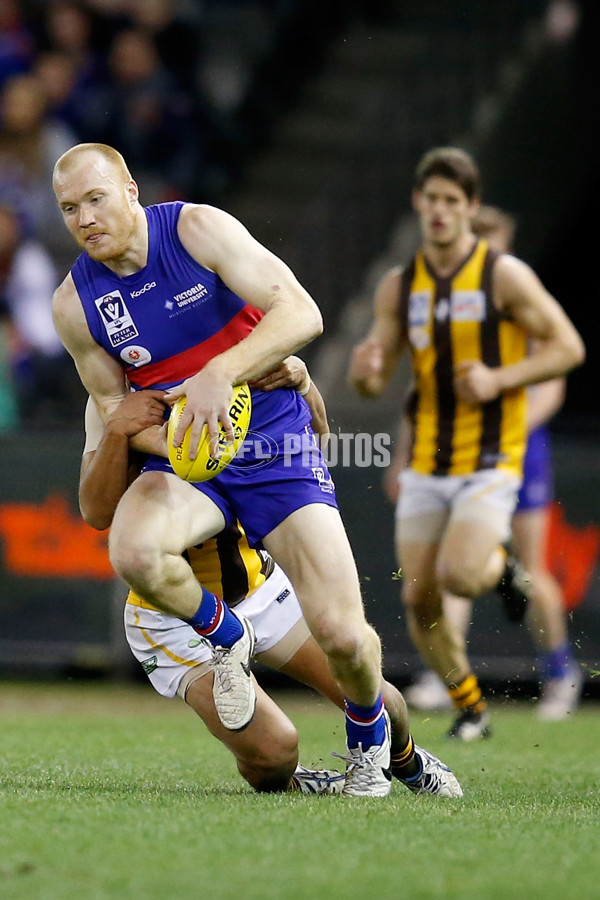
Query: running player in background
{"x": 176, "y": 659}
{"x": 468, "y": 315}
{"x": 560, "y": 676}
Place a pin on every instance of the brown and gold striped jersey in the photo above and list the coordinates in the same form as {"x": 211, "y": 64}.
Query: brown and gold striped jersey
{"x": 449, "y": 320}
{"x": 225, "y": 565}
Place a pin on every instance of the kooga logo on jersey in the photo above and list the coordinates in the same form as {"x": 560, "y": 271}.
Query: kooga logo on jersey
{"x": 147, "y": 287}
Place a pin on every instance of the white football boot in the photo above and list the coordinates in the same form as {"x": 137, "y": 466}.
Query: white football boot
{"x": 428, "y": 692}
{"x": 317, "y": 781}
{"x": 560, "y": 696}
{"x": 471, "y": 726}
{"x": 436, "y": 778}
{"x": 233, "y": 687}
{"x": 368, "y": 771}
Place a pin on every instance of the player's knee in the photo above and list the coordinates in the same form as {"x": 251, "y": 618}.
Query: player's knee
{"x": 343, "y": 640}
{"x": 463, "y": 580}
{"x": 268, "y": 780}
{"x": 134, "y": 561}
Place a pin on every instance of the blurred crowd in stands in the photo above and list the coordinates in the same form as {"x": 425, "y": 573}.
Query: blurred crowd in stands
{"x": 183, "y": 88}
{"x": 125, "y": 73}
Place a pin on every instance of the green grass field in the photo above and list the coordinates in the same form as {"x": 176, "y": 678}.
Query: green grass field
{"x": 113, "y": 792}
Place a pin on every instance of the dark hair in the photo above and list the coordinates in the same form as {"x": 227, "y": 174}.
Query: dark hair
{"x": 451, "y": 163}
{"x": 489, "y": 220}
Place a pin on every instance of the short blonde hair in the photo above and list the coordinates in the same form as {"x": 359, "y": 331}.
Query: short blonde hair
{"x": 108, "y": 153}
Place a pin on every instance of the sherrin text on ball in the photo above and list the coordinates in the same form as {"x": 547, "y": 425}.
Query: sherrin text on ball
{"x": 205, "y": 466}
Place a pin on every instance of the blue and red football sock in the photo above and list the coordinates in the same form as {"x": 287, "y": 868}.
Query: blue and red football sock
{"x": 216, "y": 622}
{"x": 365, "y": 725}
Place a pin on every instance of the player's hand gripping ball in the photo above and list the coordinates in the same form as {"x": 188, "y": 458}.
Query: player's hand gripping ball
{"x": 205, "y": 466}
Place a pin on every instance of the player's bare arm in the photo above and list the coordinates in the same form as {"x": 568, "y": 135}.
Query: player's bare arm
{"x": 100, "y": 374}
{"x": 374, "y": 360}
{"x": 558, "y": 348}
{"x": 102, "y": 377}
{"x": 544, "y": 401}
{"x": 400, "y": 459}
{"x": 104, "y": 474}
{"x": 319, "y": 422}
{"x": 292, "y": 319}
{"x": 290, "y": 373}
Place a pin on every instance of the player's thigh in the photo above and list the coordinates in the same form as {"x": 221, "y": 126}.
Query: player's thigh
{"x": 480, "y": 520}
{"x": 464, "y": 554}
{"x": 312, "y": 547}
{"x": 270, "y": 740}
{"x": 283, "y": 640}
{"x": 421, "y": 518}
{"x": 417, "y": 573}
{"x": 161, "y": 509}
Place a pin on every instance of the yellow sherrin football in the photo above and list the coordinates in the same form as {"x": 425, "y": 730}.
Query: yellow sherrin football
{"x": 204, "y": 466}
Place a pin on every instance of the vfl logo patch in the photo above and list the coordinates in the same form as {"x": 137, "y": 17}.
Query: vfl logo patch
{"x": 116, "y": 318}
{"x": 135, "y": 356}
{"x": 282, "y": 596}
{"x": 418, "y": 308}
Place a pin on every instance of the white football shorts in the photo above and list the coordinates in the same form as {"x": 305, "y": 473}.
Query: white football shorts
{"x": 173, "y": 655}
{"x": 428, "y": 503}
